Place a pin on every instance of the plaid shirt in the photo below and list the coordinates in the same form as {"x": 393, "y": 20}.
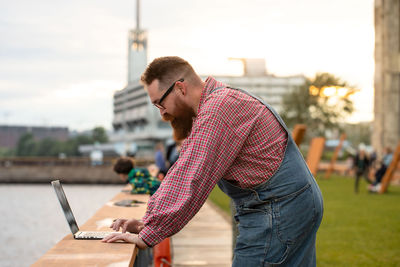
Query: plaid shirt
{"x": 234, "y": 137}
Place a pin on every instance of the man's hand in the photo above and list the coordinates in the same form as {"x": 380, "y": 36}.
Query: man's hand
{"x": 132, "y": 225}
{"x": 126, "y": 237}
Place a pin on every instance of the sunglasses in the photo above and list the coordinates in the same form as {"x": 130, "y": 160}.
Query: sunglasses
{"x": 169, "y": 90}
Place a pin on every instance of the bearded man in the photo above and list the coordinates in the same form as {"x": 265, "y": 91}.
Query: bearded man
{"x": 237, "y": 141}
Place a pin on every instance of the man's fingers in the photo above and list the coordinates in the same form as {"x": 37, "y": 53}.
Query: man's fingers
{"x": 124, "y": 227}
{"x": 117, "y": 224}
{"x": 114, "y": 223}
{"x": 114, "y": 238}
{"x": 131, "y": 225}
{"x": 107, "y": 238}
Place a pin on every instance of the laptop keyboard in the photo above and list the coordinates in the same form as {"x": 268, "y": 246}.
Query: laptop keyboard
{"x": 91, "y": 235}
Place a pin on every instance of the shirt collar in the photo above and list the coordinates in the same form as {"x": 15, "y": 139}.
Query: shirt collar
{"x": 210, "y": 84}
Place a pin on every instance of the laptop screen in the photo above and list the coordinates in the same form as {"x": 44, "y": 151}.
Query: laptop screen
{"x": 65, "y": 206}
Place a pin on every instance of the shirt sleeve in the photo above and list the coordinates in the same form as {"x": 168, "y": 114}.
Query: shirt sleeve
{"x": 216, "y": 139}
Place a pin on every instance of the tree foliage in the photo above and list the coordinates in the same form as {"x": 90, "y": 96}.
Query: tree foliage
{"x": 314, "y": 109}
{"x": 28, "y": 146}
{"x": 99, "y": 135}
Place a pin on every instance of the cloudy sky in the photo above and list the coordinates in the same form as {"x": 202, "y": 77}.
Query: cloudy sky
{"x": 61, "y": 61}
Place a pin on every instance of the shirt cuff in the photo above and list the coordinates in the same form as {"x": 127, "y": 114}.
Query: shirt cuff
{"x": 148, "y": 245}
{"x": 150, "y": 237}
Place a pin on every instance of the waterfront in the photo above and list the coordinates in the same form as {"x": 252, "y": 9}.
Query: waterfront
{"x": 32, "y": 220}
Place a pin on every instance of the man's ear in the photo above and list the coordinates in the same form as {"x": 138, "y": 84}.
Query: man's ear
{"x": 182, "y": 87}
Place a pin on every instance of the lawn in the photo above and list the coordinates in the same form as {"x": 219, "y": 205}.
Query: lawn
{"x": 357, "y": 229}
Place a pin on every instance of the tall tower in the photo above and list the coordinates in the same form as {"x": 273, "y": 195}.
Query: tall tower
{"x": 137, "y": 123}
{"x": 137, "y": 49}
{"x": 387, "y": 74}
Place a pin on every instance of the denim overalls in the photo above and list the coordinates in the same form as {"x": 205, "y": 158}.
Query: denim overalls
{"x": 278, "y": 219}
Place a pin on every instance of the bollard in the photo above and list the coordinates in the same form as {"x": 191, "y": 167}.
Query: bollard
{"x": 162, "y": 254}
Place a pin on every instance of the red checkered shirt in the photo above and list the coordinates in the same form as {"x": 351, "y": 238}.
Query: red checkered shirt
{"x": 234, "y": 137}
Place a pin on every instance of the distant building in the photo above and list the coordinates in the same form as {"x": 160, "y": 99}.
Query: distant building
{"x": 9, "y": 135}
{"x": 136, "y": 122}
{"x": 269, "y": 87}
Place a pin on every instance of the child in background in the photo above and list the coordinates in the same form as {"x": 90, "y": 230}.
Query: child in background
{"x": 140, "y": 179}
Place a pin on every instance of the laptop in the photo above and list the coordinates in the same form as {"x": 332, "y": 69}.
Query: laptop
{"x": 70, "y": 216}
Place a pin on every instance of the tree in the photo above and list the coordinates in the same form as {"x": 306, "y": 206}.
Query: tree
{"x": 26, "y": 145}
{"x": 6, "y": 152}
{"x": 321, "y": 103}
{"x": 99, "y": 135}
{"x": 47, "y": 147}
{"x": 73, "y": 144}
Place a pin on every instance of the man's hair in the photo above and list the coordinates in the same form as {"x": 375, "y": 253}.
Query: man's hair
{"x": 123, "y": 166}
{"x": 167, "y": 70}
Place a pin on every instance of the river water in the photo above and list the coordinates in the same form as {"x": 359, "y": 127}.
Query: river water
{"x": 32, "y": 221}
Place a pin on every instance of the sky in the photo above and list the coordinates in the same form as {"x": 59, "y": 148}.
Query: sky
{"x": 61, "y": 61}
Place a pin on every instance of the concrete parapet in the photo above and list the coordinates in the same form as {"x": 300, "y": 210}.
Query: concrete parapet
{"x": 67, "y": 174}
{"x": 44, "y": 170}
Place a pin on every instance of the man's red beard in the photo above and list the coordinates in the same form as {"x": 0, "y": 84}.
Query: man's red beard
{"x": 181, "y": 123}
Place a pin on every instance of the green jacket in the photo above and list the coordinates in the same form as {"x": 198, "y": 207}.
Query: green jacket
{"x": 142, "y": 182}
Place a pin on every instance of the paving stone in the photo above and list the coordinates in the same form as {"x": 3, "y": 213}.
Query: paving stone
{"x": 205, "y": 240}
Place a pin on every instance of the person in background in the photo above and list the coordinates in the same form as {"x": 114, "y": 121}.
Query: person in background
{"x": 350, "y": 164}
{"x": 170, "y": 149}
{"x": 173, "y": 153}
{"x": 361, "y": 167}
{"x": 386, "y": 160}
{"x": 372, "y": 158}
{"x": 140, "y": 179}
{"x": 160, "y": 160}
{"x": 236, "y": 140}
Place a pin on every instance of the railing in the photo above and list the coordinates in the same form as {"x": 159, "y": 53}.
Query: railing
{"x": 71, "y": 252}
{"x": 70, "y": 161}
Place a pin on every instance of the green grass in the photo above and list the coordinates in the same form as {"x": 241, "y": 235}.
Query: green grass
{"x": 357, "y": 229}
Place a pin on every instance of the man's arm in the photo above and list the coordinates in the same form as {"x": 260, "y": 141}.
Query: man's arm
{"x": 216, "y": 139}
